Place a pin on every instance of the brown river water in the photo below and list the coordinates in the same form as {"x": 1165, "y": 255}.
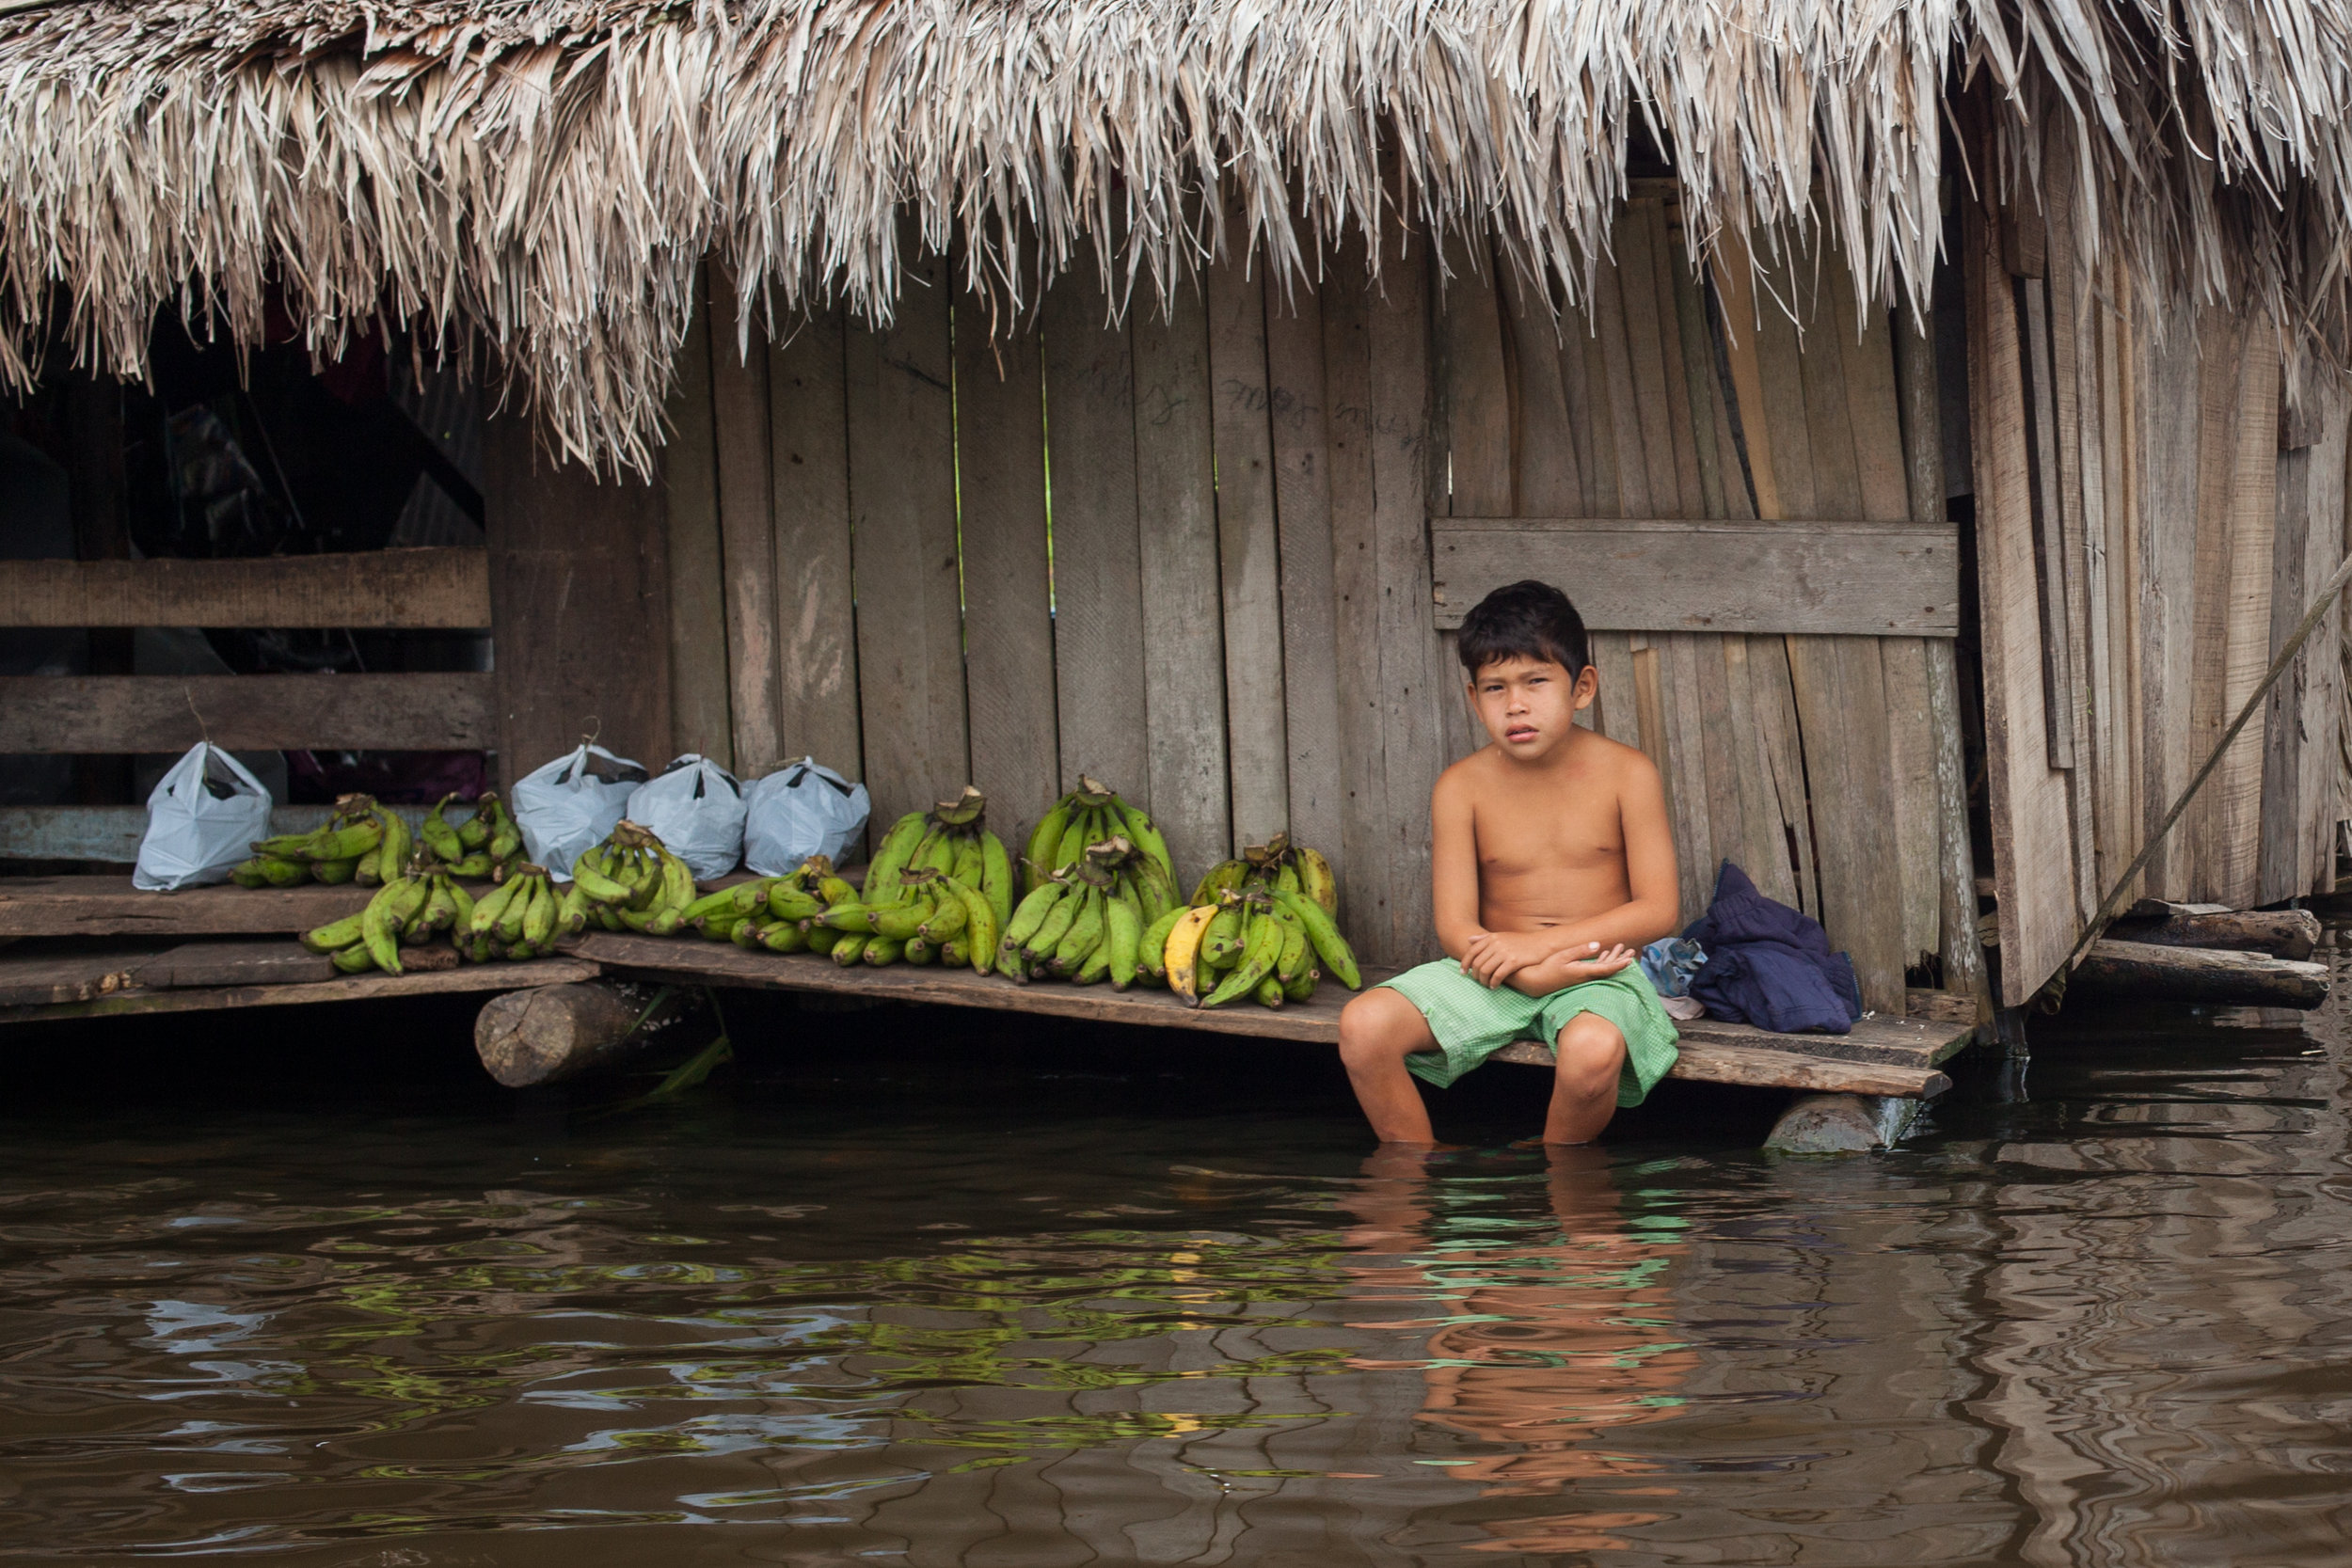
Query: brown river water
{"x": 901, "y": 1288}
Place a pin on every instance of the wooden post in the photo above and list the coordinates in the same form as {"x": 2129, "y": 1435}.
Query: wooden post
{"x": 579, "y": 605}
{"x": 1918, "y": 390}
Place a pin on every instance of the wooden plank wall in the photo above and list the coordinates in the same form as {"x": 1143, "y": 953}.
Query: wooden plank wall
{"x": 1193, "y": 552}
{"x": 1181, "y": 551}
{"x": 1808, "y": 760}
{"x": 2151, "y": 521}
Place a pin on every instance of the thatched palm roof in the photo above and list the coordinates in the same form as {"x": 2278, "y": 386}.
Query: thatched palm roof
{"x": 547, "y": 174}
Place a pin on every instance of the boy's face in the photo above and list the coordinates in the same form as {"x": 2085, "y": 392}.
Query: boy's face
{"x": 1530, "y": 705}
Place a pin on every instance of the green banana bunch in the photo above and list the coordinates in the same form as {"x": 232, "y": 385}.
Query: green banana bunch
{"x": 1092, "y": 814}
{"x": 329, "y": 852}
{"x": 631, "y": 883}
{"x": 940, "y": 885}
{"x": 1266, "y": 929}
{"x": 1087, "y": 918}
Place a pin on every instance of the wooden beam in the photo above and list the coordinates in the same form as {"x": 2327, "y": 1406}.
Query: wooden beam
{"x": 351, "y": 988}
{"x": 413, "y": 590}
{"x": 1853, "y": 577}
{"x": 111, "y": 907}
{"x": 113, "y": 832}
{"x": 171, "y": 713}
{"x": 2144, "y": 972}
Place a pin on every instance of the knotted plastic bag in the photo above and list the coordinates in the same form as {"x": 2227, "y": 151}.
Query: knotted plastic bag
{"x": 202, "y": 821}
{"x": 695, "y": 808}
{"x": 800, "y": 810}
{"x": 572, "y": 803}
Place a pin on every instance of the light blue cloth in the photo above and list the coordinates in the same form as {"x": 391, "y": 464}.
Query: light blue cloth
{"x": 1670, "y": 962}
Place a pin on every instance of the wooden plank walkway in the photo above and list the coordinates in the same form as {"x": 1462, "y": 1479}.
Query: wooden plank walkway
{"x": 147, "y": 970}
{"x": 1883, "y": 1055}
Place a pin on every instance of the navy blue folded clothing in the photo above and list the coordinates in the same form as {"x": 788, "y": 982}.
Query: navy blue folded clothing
{"x": 1770, "y": 965}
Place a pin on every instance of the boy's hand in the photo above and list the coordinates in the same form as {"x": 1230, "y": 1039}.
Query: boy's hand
{"x": 1564, "y": 970}
{"x": 1493, "y": 957}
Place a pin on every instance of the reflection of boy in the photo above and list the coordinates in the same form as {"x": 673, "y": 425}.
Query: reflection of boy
{"x": 1551, "y": 865}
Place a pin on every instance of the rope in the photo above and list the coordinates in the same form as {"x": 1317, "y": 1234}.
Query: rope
{"x": 2278, "y": 667}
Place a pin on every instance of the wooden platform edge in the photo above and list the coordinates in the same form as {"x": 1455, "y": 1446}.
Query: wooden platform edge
{"x": 355, "y": 987}
{"x": 1763, "y": 1064}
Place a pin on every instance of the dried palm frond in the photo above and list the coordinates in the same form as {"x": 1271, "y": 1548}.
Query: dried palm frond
{"x": 547, "y": 174}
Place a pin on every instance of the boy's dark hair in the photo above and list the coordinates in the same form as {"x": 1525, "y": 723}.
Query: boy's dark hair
{"x": 1525, "y": 620}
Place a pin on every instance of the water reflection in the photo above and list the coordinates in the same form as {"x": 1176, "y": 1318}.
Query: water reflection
{"x": 1553, "y": 1332}
{"x": 2106, "y": 1327}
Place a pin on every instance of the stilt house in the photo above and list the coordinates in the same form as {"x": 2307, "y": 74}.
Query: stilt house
{"x": 1937, "y": 410}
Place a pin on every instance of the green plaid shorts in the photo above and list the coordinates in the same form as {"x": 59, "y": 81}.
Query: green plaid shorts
{"x": 1472, "y": 1023}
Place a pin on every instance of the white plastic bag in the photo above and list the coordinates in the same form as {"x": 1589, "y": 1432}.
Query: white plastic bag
{"x": 572, "y": 803}
{"x": 202, "y": 821}
{"x": 695, "y": 808}
{"x": 800, "y": 810}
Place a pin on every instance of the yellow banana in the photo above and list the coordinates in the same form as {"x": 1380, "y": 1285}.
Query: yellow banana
{"x": 1316, "y": 881}
{"x": 1182, "y": 956}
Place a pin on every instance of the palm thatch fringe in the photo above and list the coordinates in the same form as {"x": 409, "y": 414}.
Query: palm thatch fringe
{"x": 543, "y": 175}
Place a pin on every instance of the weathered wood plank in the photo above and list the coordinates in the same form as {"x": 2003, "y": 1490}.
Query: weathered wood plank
{"x": 1839, "y": 577}
{"x": 1479, "y": 416}
{"x": 1302, "y": 494}
{"x": 1414, "y": 684}
{"x": 902, "y": 489}
{"x": 1735, "y": 289}
{"x": 411, "y": 588}
{"x": 1007, "y": 583}
{"x": 50, "y": 714}
{"x": 113, "y": 832}
{"x": 1896, "y": 1051}
{"x": 1620, "y": 716}
{"x": 2281, "y": 933}
{"x": 817, "y": 690}
{"x": 1350, "y": 434}
{"x": 580, "y": 595}
{"x": 1614, "y": 389}
{"x": 1098, "y": 573}
{"x": 1547, "y": 468}
{"x": 2166, "y": 373}
{"x": 2146, "y": 971}
{"x": 741, "y": 423}
{"x": 1669, "y": 468}
{"x": 698, "y": 613}
{"x": 2220, "y": 338}
{"x": 350, "y": 987}
{"x": 45, "y": 978}
{"x": 1183, "y": 679}
{"x": 1760, "y": 1068}
{"x": 2032, "y": 822}
{"x": 234, "y": 963}
{"x": 1249, "y": 553}
{"x": 2236, "y": 785}
{"x": 111, "y": 907}
{"x": 1689, "y": 799}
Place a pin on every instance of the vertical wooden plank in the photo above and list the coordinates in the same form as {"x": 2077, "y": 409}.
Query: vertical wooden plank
{"x": 902, "y": 487}
{"x": 2326, "y": 780}
{"x": 1613, "y": 381}
{"x": 1008, "y": 587}
{"x": 1098, "y": 573}
{"x": 1743, "y": 337}
{"x": 815, "y": 594}
{"x": 739, "y": 401}
{"x": 2280, "y": 873}
{"x": 1703, "y": 699}
{"x": 1585, "y": 377}
{"x": 1302, "y": 494}
{"x": 1547, "y": 472}
{"x": 1682, "y": 427}
{"x": 2078, "y": 485}
{"x": 2166, "y": 372}
{"x": 1774, "y": 690}
{"x": 1714, "y": 457}
{"x": 1636, "y": 280}
{"x": 1476, "y": 390}
{"x": 1248, "y": 555}
{"x": 2030, "y": 822}
{"x": 1875, "y": 417}
{"x": 697, "y": 610}
{"x": 1405, "y": 478}
{"x": 1365, "y": 870}
{"x": 1764, "y": 851}
{"x": 2237, "y": 782}
{"x": 580, "y": 601}
{"x": 1183, "y": 649}
{"x": 1959, "y": 949}
{"x": 2221, "y": 394}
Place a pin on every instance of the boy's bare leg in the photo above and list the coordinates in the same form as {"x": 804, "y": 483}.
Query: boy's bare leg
{"x": 1377, "y": 1031}
{"x": 1590, "y": 1052}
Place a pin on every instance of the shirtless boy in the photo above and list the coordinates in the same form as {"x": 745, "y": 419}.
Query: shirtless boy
{"x": 1551, "y": 865}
